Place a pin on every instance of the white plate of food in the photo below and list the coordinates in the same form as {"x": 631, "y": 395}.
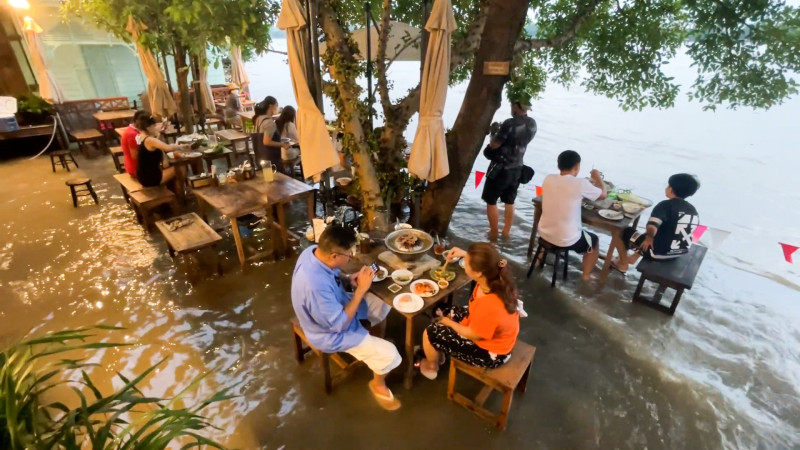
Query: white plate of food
{"x": 632, "y": 208}
{"x": 610, "y": 214}
{"x": 424, "y": 288}
{"x": 402, "y": 276}
{"x": 380, "y": 275}
{"x": 408, "y": 303}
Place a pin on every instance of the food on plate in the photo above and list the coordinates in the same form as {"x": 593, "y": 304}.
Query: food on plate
{"x": 424, "y": 288}
{"x": 408, "y": 243}
{"x": 438, "y": 274}
{"x": 402, "y": 277}
{"x": 381, "y": 274}
{"x": 405, "y": 299}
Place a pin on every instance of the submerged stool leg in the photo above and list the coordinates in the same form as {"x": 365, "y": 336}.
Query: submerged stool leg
{"x": 92, "y": 193}
{"x": 74, "y": 196}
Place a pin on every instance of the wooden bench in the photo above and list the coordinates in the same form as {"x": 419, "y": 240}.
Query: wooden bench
{"x": 678, "y": 274}
{"x": 511, "y": 376}
{"x": 81, "y": 127}
{"x": 301, "y": 347}
{"x": 147, "y": 199}
{"x": 128, "y": 185}
{"x": 190, "y": 238}
{"x": 119, "y": 158}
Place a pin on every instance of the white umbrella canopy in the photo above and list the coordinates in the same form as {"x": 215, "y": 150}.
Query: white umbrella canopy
{"x": 238, "y": 74}
{"x": 48, "y": 88}
{"x": 316, "y": 149}
{"x": 402, "y": 45}
{"x": 428, "y": 160}
{"x": 161, "y": 101}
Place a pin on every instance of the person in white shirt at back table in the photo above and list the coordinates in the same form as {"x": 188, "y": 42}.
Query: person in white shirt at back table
{"x": 562, "y": 195}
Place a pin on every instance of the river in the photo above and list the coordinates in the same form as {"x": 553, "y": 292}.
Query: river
{"x": 735, "y": 337}
{"x": 724, "y": 372}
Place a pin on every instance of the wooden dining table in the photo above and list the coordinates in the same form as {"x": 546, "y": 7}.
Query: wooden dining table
{"x": 593, "y": 219}
{"x": 381, "y": 290}
{"x": 234, "y": 200}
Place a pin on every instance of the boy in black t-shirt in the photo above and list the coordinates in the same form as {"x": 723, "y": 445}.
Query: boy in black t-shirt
{"x": 669, "y": 229}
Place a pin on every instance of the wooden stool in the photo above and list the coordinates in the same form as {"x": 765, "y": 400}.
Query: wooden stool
{"x": 559, "y": 252}
{"x": 190, "y": 238}
{"x": 119, "y": 158}
{"x": 215, "y": 121}
{"x": 505, "y": 379}
{"x": 301, "y": 347}
{"x": 86, "y": 190}
{"x": 149, "y": 198}
{"x": 678, "y": 274}
{"x": 65, "y": 158}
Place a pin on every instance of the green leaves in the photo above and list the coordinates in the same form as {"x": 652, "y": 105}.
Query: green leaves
{"x": 99, "y": 422}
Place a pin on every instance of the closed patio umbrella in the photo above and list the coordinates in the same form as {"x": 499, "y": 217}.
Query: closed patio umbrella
{"x": 48, "y": 88}
{"x": 238, "y": 74}
{"x": 161, "y": 101}
{"x": 205, "y": 89}
{"x": 317, "y": 153}
{"x": 428, "y": 160}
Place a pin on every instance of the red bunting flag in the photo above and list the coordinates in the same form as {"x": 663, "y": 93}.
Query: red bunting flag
{"x": 478, "y": 178}
{"x": 787, "y": 251}
{"x": 538, "y": 191}
{"x": 698, "y": 232}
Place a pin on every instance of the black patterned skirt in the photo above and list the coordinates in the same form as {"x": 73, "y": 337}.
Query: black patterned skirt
{"x": 447, "y": 340}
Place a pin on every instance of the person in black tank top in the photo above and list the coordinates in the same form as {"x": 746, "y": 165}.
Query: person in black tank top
{"x": 270, "y": 136}
{"x": 151, "y": 153}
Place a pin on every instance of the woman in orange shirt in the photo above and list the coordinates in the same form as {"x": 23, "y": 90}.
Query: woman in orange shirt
{"x": 484, "y": 333}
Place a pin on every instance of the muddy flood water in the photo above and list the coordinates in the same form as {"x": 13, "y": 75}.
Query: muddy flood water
{"x": 64, "y": 267}
{"x": 724, "y": 372}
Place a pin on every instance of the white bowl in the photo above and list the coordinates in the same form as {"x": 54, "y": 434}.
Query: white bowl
{"x": 406, "y": 275}
{"x": 403, "y": 226}
{"x": 344, "y": 181}
{"x": 631, "y": 207}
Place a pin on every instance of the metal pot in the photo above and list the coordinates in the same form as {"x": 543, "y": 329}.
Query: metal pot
{"x": 425, "y": 239}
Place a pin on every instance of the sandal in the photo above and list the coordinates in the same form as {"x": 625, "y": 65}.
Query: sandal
{"x": 614, "y": 266}
{"x": 431, "y": 375}
{"x": 387, "y": 402}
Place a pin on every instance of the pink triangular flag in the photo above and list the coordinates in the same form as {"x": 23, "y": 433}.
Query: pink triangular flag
{"x": 539, "y": 191}
{"x": 478, "y": 178}
{"x": 787, "y": 251}
{"x": 698, "y": 232}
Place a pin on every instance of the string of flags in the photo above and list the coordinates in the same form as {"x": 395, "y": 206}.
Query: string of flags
{"x": 715, "y": 236}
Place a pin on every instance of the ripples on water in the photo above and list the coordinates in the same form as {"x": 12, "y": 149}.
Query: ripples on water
{"x": 724, "y": 371}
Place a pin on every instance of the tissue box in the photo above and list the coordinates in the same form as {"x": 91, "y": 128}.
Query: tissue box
{"x": 8, "y": 124}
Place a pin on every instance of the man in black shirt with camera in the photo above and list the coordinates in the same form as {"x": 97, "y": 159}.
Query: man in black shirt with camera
{"x": 505, "y": 151}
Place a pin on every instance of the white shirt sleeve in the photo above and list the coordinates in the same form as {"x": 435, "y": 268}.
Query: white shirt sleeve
{"x": 590, "y": 191}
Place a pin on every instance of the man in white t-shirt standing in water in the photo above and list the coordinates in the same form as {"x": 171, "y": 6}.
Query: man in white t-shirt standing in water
{"x": 562, "y": 194}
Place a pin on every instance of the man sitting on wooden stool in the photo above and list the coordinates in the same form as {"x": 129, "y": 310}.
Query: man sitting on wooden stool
{"x": 331, "y": 317}
{"x": 560, "y": 224}
{"x": 669, "y": 229}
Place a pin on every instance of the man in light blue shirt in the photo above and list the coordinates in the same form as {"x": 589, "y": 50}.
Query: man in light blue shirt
{"x": 331, "y": 317}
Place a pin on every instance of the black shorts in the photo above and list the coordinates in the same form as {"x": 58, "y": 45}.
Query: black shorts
{"x": 586, "y": 242}
{"x": 633, "y": 240}
{"x": 504, "y": 187}
{"x": 445, "y": 339}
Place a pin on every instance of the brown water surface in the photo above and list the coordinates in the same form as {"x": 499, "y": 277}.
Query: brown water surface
{"x": 64, "y": 267}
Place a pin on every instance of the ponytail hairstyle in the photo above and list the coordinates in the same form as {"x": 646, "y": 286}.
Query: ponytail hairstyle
{"x": 484, "y": 258}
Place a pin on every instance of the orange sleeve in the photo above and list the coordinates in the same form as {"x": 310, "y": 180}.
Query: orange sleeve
{"x": 484, "y": 319}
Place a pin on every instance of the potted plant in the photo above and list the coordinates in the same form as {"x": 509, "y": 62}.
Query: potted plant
{"x": 33, "y": 110}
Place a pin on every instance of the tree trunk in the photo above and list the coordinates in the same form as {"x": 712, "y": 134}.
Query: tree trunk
{"x": 350, "y": 116}
{"x": 482, "y": 99}
{"x": 182, "y": 73}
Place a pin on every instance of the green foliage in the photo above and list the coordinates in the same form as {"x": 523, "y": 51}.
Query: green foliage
{"x": 33, "y": 104}
{"x": 197, "y": 24}
{"x": 31, "y": 368}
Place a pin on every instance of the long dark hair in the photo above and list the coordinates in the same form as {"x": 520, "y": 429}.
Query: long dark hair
{"x": 261, "y": 108}
{"x": 484, "y": 258}
{"x": 287, "y": 115}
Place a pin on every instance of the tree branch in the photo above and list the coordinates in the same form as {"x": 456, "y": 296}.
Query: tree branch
{"x": 462, "y": 49}
{"x": 580, "y": 18}
{"x": 381, "y": 66}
